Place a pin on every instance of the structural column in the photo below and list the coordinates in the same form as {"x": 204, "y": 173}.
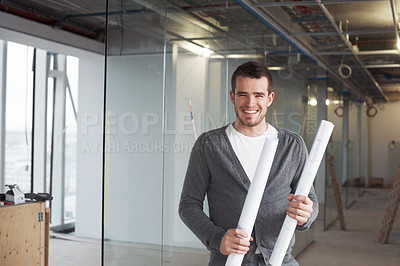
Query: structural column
{"x": 358, "y": 167}
{"x": 345, "y": 137}
{"x": 321, "y": 115}
{"x": 59, "y": 140}
{"x": 3, "y": 83}
{"x": 40, "y": 121}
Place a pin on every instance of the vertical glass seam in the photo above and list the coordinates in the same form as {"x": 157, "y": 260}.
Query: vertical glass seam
{"x": 104, "y": 142}
{"x": 163, "y": 133}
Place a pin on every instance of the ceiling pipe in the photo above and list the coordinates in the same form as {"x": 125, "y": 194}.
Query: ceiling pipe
{"x": 378, "y": 52}
{"x": 208, "y": 24}
{"x": 350, "y": 46}
{"x": 103, "y": 14}
{"x": 213, "y": 7}
{"x": 395, "y": 24}
{"x": 299, "y": 46}
{"x": 355, "y": 32}
{"x": 311, "y": 3}
{"x": 31, "y": 15}
{"x": 370, "y": 52}
{"x": 383, "y": 66}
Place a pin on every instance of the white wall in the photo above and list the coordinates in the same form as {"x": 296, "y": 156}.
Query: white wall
{"x": 385, "y": 128}
{"x": 134, "y": 171}
{"x": 191, "y": 82}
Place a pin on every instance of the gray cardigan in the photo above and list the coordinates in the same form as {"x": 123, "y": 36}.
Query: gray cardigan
{"x": 215, "y": 170}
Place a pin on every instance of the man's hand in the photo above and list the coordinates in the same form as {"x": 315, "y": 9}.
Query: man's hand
{"x": 300, "y": 208}
{"x": 234, "y": 242}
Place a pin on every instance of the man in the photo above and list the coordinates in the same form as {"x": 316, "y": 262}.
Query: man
{"x": 222, "y": 165}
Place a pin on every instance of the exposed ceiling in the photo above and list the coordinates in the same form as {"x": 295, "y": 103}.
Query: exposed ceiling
{"x": 355, "y": 40}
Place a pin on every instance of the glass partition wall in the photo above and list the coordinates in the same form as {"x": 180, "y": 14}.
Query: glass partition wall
{"x": 334, "y": 150}
{"x": 134, "y": 134}
{"x": 168, "y": 81}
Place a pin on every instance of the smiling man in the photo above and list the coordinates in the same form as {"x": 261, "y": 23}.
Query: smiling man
{"x": 222, "y": 165}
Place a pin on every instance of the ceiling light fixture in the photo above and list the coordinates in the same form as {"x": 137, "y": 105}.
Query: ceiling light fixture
{"x": 327, "y": 102}
{"x": 195, "y": 48}
{"x": 313, "y": 102}
{"x": 244, "y": 56}
{"x": 206, "y": 52}
{"x": 277, "y": 68}
{"x": 237, "y": 56}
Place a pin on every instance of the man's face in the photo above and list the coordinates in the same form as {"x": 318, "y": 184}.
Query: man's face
{"x": 251, "y": 100}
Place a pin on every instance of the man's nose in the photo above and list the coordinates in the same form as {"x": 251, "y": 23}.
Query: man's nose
{"x": 250, "y": 100}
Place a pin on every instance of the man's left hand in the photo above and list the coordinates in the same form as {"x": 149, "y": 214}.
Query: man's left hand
{"x": 300, "y": 208}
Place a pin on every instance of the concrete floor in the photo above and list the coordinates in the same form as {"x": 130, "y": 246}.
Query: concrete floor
{"x": 358, "y": 245}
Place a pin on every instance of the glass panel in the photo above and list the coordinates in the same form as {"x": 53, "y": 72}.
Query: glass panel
{"x": 364, "y": 149}
{"x": 19, "y": 120}
{"x": 352, "y": 189}
{"x": 49, "y": 142}
{"x": 206, "y": 82}
{"x": 335, "y": 115}
{"x": 133, "y": 231}
{"x": 159, "y": 98}
{"x": 70, "y": 139}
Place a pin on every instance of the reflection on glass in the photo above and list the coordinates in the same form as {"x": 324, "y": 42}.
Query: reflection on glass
{"x": 334, "y": 114}
{"x": 352, "y": 184}
{"x": 133, "y": 222}
{"x": 19, "y": 120}
{"x": 50, "y": 103}
{"x": 70, "y": 138}
{"x": 166, "y": 60}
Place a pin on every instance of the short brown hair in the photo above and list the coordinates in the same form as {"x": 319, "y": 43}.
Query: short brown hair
{"x": 252, "y": 70}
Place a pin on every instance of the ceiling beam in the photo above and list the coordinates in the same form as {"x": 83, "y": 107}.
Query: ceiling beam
{"x": 214, "y": 7}
{"x": 274, "y": 25}
{"x": 334, "y": 33}
{"x": 312, "y": 3}
{"x": 383, "y": 66}
{"x": 350, "y": 46}
{"x": 395, "y": 23}
{"x": 369, "y": 52}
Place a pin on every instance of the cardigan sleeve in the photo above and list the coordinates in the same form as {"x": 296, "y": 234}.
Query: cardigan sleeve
{"x": 197, "y": 181}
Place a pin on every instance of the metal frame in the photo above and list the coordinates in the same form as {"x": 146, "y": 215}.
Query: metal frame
{"x": 40, "y": 121}
{"x": 265, "y": 17}
{"x": 3, "y": 79}
{"x": 57, "y": 178}
{"x": 350, "y": 47}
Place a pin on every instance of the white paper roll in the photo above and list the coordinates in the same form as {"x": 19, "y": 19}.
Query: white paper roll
{"x": 254, "y": 195}
{"x": 303, "y": 188}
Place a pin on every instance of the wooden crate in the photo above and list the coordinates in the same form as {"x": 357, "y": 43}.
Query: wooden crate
{"x": 23, "y": 234}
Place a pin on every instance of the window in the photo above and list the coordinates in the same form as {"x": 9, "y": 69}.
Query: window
{"x": 19, "y": 97}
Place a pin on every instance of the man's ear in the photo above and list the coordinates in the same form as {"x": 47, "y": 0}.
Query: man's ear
{"x": 232, "y": 96}
{"x": 271, "y": 98}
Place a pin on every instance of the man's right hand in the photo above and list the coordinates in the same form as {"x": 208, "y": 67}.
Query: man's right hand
{"x": 234, "y": 242}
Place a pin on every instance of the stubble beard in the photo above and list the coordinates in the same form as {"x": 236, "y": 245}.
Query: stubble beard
{"x": 249, "y": 123}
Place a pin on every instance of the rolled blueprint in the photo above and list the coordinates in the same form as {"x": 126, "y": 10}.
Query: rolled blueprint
{"x": 254, "y": 195}
{"x": 303, "y": 188}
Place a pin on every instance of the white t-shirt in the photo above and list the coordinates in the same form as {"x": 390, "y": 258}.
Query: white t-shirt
{"x": 248, "y": 149}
